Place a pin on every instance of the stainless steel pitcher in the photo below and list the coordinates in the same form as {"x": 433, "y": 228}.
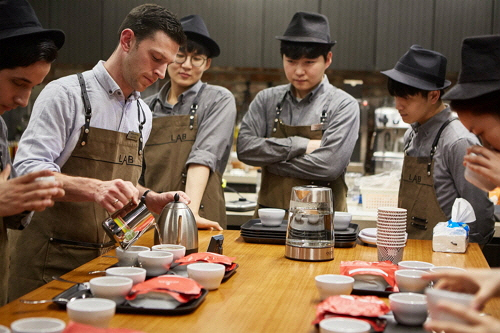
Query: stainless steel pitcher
{"x": 176, "y": 225}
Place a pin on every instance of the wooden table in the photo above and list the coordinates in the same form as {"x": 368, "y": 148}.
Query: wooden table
{"x": 268, "y": 293}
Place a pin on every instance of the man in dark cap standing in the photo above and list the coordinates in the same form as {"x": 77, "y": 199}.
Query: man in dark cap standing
{"x": 26, "y": 53}
{"x": 303, "y": 132}
{"x": 192, "y": 130}
{"x": 433, "y": 173}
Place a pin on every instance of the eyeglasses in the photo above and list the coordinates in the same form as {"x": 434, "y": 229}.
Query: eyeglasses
{"x": 196, "y": 60}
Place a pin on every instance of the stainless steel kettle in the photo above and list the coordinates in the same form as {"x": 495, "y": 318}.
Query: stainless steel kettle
{"x": 176, "y": 225}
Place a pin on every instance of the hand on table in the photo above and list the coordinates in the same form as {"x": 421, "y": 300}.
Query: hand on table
{"x": 485, "y": 283}
{"x": 486, "y": 162}
{"x": 24, "y": 193}
{"x": 475, "y": 322}
{"x": 156, "y": 201}
{"x": 204, "y": 223}
{"x": 114, "y": 194}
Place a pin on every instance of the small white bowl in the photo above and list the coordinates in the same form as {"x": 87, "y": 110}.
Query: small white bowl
{"x": 129, "y": 257}
{"x": 436, "y": 295}
{"x": 114, "y": 288}
{"x": 409, "y": 308}
{"x": 341, "y": 220}
{"x": 441, "y": 269}
{"x": 209, "y": 275}
{"x": 137, "y": 274}
{"x": 176, "y": 249}
{"x": 410, "y": 280}
{"x": 333, "y": 284}
{"x": 343, "y": 325}
{"x": 38, "y": 325}
{"x": 4, "y": 329}
{"x": 91, "y": 311}
{"x": 271, "y": 217}
{"x": 414, "y": 264}
{"x": 155, "y": 262}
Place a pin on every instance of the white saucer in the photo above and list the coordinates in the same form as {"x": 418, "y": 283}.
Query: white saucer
{"x": 368, "y": 239}
{"x": 370, "y": 232}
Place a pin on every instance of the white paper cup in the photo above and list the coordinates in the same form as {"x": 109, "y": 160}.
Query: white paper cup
{"x": 38, "y": 325}
{"x": 392, "y": 253}
{"x": 434, "y": 296}
{"x": 91, "y": 311}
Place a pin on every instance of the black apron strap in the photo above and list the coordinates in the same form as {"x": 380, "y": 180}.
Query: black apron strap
{"x": 194, "y": 106}
{"x": 279, "y": 108}
{"x": 140, "y": 111}
{"x": 435, "y": 143}
{"x": 87, "y": 107}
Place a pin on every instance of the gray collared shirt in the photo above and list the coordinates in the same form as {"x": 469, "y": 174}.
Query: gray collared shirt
{"x": 449, "y": 181}
{"x": 286, "y": 156}
{"x": 58, "y": 115}
{"x": 216, "y": 115}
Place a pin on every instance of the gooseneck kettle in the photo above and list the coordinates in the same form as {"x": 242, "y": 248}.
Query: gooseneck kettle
{"x": 177, "y": 225}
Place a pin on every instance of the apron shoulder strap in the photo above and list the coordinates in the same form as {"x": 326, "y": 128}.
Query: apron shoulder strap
{"x": 435, "y": 143}
{"x": 194, "y": 106}
{"x": 87, "y": 107}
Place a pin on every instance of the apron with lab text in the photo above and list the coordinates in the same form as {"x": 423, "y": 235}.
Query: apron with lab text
{"x": 418, "y": 195}
{"x": 275, "y": 190}
{"x": 165, "y": 156}
{"x": 70, "y": 234}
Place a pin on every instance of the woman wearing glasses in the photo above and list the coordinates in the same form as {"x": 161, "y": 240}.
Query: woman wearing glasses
{"x": 192, "y": 129}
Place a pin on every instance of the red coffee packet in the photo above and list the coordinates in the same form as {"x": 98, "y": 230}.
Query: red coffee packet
{"x": 366, "y": 308}
{"x": 207, "y": 257}
{"x": 180, "y": 288}
{"x": 384, "y": 269}
{"x": 74, "y": 327}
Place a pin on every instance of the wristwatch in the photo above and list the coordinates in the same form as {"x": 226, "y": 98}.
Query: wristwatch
{"x": 143, "y": 198}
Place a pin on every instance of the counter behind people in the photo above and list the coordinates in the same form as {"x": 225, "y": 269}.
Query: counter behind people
{"x": 192, "y": 134}
{"x": 27, "y": 51}
{"x": 95, "y": 146}
{"x": 433, "y": 172}
{"x": 303, "y": 132}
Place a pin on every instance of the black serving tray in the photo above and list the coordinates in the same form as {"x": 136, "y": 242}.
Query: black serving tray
{"x": 256, "y": 225}
{"x": 394, "y": 327}
{"x": 79, "y": 290}
{"x": 371, "y": 292}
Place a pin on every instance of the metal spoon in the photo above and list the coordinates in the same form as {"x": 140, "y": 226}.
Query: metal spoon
{"x": 60, "y": 299}
{"x": 64, "y": 280}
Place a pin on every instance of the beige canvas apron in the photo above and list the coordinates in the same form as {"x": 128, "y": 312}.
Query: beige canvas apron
{"x": 275, "y": 190}
{"x": 165, "y": 156}
{"x": 70, "y": 234}
{"x": 418, "y": 195}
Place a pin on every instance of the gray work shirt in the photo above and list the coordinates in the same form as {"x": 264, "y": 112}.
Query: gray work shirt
{"x": 286, "y": 156}
{"x": 58, "y": 116}
{"x": 449, "y": 180}
{"x": 21, "y": 220}
{"x": 216, "y": 115}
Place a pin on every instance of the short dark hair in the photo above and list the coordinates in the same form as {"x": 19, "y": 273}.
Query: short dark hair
{"x": 399, "y": 89}
{"x": 24, "y": 51}
{"x": 484, "y": 104}
{"x": 145, "y": 20}
{"x": 194, "y": 47}
{"x": 297, "y": 50}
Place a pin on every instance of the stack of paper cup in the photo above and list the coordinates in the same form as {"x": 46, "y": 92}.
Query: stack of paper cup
{"x": 391, "y": 233}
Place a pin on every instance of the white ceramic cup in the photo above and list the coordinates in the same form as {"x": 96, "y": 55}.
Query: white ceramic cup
{"x": 410, "y": 280}
{"x": 343, "y": 325}
{"x": 129, "y": 257}
{"x": 177, "y": 250}
{"x": 114, "y": 288}
{"x": 414, "y": 264}
{"x": 91, "y": 311}
{"x": 137, "y": 274}
{"x": 436, "y": 295}
{"x": 209, "y": 275}
{"x": 38, "y": 325}
{"x": 333, "y": 284}
{"x": 341, "y": 220}
{"x": 4, "y": 329}
{"x": 478, "y": 180}
{"x": 409, "y": 308}
{"x": 271, "y": 217}
{"x": 155, "y": 262}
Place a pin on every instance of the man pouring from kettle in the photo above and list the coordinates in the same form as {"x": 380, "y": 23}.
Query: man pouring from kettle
{"x": 91, "y": 128}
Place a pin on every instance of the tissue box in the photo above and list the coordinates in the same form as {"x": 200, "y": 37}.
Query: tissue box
{"x": 446, "y": 239}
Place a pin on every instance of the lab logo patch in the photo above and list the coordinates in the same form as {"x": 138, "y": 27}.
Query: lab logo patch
{"x": 127, "y": 159}
{"x": 179, "y": 137}
{"x": 414, "y": 179}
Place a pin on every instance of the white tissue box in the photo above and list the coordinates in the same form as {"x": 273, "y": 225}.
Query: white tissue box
{"x": 446, "y": 239}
